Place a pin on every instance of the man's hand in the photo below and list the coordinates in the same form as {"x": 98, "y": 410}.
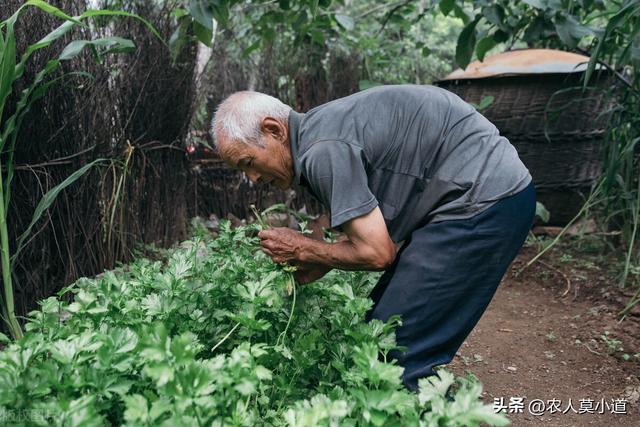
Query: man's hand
{"x": 368, "y": 246}
{"x": 281, "y": 244}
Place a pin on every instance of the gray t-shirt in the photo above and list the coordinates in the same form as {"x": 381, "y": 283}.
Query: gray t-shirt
{"x": 420, "y": 153}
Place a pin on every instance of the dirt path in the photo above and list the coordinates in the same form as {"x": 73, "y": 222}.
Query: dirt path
{"x": 535, "y": 343}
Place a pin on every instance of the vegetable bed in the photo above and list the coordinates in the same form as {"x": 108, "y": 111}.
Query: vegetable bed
{"x": 216, "y": 334}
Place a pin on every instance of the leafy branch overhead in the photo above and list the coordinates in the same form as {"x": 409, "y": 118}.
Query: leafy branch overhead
{"x": 584, "y": 24}
{"x": 311, "y": 21}
{"x": 549, "y": 23}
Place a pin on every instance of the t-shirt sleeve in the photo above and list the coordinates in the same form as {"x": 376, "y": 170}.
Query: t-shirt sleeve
{"x": 335, "y": 171}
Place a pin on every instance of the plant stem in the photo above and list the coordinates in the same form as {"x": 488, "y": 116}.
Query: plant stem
{"x": 116, "y": 198}
{"x": 225, "y": 337}
{"x": 259, "y": 217}
{"x": 583, "y": 209}
{"x": 293, "y": 307}
{"x": 9, "y": 308}
{"x": 636, "y": 220}
{"x": 635, "y": 299}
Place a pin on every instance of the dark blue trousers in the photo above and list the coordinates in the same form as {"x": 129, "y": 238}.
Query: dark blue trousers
{"x": 444, "y": 278}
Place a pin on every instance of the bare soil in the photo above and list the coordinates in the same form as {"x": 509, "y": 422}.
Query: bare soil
{"x": 542, "y": 338}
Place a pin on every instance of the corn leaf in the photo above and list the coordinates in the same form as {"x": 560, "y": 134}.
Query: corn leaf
{"x": 65, "y": 27}
{"x": 54, "y": 35}
{"x": 113, "y": 44}
{"x": 12, "y": 127}
{"x": 47, "y": 200}
{"x": 7, "y": 65}
{"x": 150, "y": 27}
{"x": 46, "y": 7}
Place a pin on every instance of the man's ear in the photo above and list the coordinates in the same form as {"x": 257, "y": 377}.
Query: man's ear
{"x": 274, "y": 128}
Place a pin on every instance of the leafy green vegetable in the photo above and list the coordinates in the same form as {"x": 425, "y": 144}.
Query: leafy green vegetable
{"x": 210, "y": 335}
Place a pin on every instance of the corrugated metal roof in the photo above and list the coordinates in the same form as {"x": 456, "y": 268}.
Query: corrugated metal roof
{"x": 524, "y": 61}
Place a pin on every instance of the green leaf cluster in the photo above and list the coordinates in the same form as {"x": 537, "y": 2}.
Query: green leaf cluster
{"x": 535, "y": 23}
{"x": 210, "y": 335}
{"x": 305, "y": 22}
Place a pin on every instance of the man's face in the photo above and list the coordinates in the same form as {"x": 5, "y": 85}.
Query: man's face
{"x": 271, "y": 163}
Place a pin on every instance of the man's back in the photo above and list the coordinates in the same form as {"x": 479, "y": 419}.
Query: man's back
{"x": 427, "y": 155}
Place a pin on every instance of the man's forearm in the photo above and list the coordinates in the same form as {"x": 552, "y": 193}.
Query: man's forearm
{"x": 369, "y": 246}
{"x": 344, "y": 255}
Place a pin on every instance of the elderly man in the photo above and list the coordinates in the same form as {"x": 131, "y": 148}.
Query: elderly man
{"x": 423, "y": 186}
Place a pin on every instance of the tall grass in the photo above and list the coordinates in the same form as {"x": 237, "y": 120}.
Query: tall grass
{"x": 619, "y": 184}
{"x": 621, "y": 179}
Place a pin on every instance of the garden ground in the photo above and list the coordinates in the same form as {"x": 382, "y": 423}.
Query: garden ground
{"x": 543, "y": 337}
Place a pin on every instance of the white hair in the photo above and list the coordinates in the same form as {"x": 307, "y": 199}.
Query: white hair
{"x": 239, "y": 117}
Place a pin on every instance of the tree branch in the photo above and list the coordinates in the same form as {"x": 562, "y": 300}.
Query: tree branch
{"x": 390, "y": 14}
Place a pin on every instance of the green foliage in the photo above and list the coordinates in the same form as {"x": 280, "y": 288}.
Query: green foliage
{"x": 393, "y": 43}
{"x": 47, "y": 200}
{"x": 305, "y": 21}
{"x": 542, "y": 212}
{"x": 210, "y": 336}
{"x": 466, "y": 44}
{"x": 485, "y": 102}
{"x": 540, "y": 23}
{"x": 414, "y": 44}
